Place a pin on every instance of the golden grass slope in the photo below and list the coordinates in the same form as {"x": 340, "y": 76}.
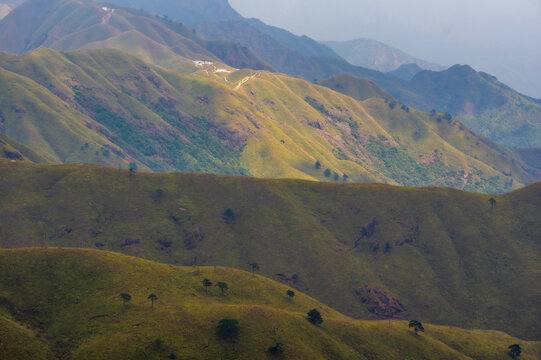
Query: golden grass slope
{"x": 64, "y": 303}
{"x": 368, "y": 250}
{"x": 247, "y": 123}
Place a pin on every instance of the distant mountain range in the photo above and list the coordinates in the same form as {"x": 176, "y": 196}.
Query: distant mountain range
{"x": 407, "y": 71}
{"x": 376, "y": 55}
{"x": 487, "y": 106}
{"x": 231, "y": 122}
{"x": 69, "y": 25}
{"x": 300, "y": 56}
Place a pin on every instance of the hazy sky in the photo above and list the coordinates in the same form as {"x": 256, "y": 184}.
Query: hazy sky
{"x": 492, "y": 35}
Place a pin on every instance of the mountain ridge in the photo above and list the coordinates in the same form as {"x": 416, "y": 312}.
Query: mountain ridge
{"x": 434, "y": 253}
{"x": 89, "y": 319}
{"x": 376, "y": 55}
{"x": 143, "y": 114}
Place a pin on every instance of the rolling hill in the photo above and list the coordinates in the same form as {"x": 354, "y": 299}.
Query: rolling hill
{"x": 104, "y": 106}
{"x": 65, "y": 303}
{"x": 370, "y": 251}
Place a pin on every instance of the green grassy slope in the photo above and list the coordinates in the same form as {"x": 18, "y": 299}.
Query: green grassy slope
{"x": 12, "y": 150}
{"x": 258, "y": 123}
{"x": 66, "y": 302}
{"x": 487, "y": 106}
{"x": 36, "y": 117}
{"x": 71, "y": 25}
{"x": 365, "y": 249}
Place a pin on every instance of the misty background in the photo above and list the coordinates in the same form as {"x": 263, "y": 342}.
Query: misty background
{"x": 499, "y": 37}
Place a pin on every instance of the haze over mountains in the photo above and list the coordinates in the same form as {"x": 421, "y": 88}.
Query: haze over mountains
{"x": 500, "y": 38}
{"x": 376, "y": 55}
{"x": 150, "y": 154}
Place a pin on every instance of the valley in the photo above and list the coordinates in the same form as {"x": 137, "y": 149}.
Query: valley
{"x": 180, "y": 181}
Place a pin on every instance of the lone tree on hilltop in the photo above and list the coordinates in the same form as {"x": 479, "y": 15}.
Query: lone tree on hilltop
{"x": 318, "y": 165}
{"x": 416, "y": 325}
{"x": 206, "y": 283}
{"x": 125, "y": 297}
{"x": 228, "y": 215}
{"x": 277, "y": 349}
{"x": 223, "y": 286}
{"x": 254, "y": 266}
{"x": 152, "y": 297}
{"x": 228, "y": 328}
{"x": 315, "y": 317}
{"x": 515, "y": 350}
{"x": 290, "y": 293}
{"x": 492, "y": 202}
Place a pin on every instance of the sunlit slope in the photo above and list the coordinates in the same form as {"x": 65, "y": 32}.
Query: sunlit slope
{"x": 72, "y": 25}
{"x": 487, "y": 106}
{"x": 35, "y": 117}
{"x": 368, "y": 250}
{"x": 66, "y": 302}
{"x": 248, "y": 123}
{"x": 377, "y": 139}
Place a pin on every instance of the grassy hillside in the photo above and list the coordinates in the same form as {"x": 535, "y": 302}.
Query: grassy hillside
{"x": 71, "y": 25}
{"x": 123, "y": 111}
{"x": 12, "y": 150}
{"x": 368, "y": 250}
{"x": 87, "y": 317}
{"x": 487, "y": 106}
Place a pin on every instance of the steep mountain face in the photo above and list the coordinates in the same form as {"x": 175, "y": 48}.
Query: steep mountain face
{"x": 368, "y": 250}
{"x": 407, "y": 71}
{"x": 487, "y": 106}
{"x": 211, "y": 12}
{"x": 290, "y": 61}
{"x": 292, "y": 56}
{"x": 301, "y": 44}
{"x": 108, "y": 107}
{"x": 70, "y": 25}
{"x": 376, "y": 55}
{"x": 190, "y": 12}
